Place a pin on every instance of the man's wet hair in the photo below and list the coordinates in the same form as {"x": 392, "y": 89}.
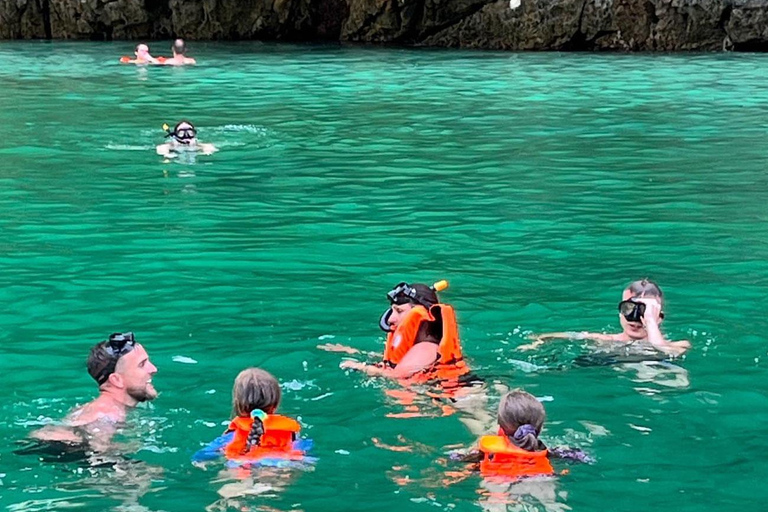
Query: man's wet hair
{"x": 101, "y": 364}
{"x": 645, "y": 288}
{"x": 179, "y": 47}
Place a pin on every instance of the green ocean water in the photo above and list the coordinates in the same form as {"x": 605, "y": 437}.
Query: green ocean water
{"x": 538, "y": 184}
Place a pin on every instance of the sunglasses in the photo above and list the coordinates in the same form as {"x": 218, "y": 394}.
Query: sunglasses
{"x": 120, "y": 344}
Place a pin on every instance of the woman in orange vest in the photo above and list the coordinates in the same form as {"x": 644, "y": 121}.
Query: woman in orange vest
{"x": 256, "y": 435}
{"x": 422, "y": 338}
{"x": 516, "y": 451}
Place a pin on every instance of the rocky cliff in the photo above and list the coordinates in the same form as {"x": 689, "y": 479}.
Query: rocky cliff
{"x": 501, "y": 24}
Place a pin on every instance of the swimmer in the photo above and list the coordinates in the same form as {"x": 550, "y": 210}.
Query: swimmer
{"x": 122, "y": 369}
{"x": 179, "y": 58}
{"x": 183, "y": 138}
{"x": 640, "y": 314}
{"x": 256, "y": 432}
{"x": 422, "y": 337}
{"x": 142, "y": 56}
{"x": 516, "y": 451}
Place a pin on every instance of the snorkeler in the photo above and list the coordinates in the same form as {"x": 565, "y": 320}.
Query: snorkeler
{"x": 422, "y": 338}
{"x": 516, "y": 451}
{"x": 122, "y": 369}
{"x": 183, "y": 138}
{"x": 640, "y": 314}
{"x": 142, "y": 56}
{"x": 179, "y": 58}
{"x": 256, "y": 434}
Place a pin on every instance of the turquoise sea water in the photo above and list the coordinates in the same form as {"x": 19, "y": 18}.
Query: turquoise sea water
{"x": 538, "y": 184}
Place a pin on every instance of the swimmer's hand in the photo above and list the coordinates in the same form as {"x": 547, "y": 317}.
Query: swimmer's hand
{"x": 207, "y": 149}
{"x": 540, "y": 339}
{"x": 353, "y": 365}
{"x": 338, "y": 347}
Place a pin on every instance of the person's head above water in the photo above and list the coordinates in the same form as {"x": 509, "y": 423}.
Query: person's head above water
{"x": 633, "y": 304}
{"x": 521, "y": 418}
{"x": 121, "y": 366}
{"x": 256, "y": 394}
{"x": 183, "y": 133}
{"x": 142, "y": 51}
{"x": 179, "y": 47}
{"x": 255, "y": 389}
{"x": 404, "y": 297}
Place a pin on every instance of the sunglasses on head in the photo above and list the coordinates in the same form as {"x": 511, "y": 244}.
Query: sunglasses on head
{"x": 120, "y": 344}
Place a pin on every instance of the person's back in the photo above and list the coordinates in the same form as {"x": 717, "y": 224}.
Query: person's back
{"x": 179, "y": 58}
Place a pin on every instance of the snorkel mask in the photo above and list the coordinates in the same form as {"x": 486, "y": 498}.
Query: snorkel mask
{"x": 185, "y": 135}
{"x": 404, "y": 293}
{"x": 634, "y": 311}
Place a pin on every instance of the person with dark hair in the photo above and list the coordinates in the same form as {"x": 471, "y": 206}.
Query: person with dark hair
{"x": 124, "y": 373}
{"x": 641, "y": 312}
{"x": 256, "y": 434}
{"x": 183, "y": 138}
{"x": 179, "y": 58}
{"x": 422, "y": 338}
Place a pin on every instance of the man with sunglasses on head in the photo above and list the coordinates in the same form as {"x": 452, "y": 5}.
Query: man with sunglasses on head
{"x": 640, "y": 314}
{"x": 122, "y": 369}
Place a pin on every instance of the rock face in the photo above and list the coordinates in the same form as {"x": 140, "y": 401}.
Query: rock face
{"x": 628, "y": 25}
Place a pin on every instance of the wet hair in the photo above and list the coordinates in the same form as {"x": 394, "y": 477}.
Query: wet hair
{"x": 521, "y": 417}
{"x": 179, "y": 47}
{"x": 255, "y": 389}
{"x": 645, "y": 288}
{"x": 425, "y": 293}
{"x": 101, "y": 364}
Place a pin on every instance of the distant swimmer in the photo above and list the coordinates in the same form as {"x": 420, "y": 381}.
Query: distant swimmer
{"x": 640, "y": 314}
{"x": 179, "y": 58}
{"x": 183, "y": 138}
{"x": 142, "y": 56}
{"x": 124, "y": 373}
{"x": 422, "y": 338}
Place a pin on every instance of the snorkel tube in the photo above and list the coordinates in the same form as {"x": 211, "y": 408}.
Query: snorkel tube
{"x": 404, "y": 293}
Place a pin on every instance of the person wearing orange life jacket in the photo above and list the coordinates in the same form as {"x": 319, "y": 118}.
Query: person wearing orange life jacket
{"x": 516, "y": 451}
{"x": 256, "y": 434}
{"x": 422, "y": 337}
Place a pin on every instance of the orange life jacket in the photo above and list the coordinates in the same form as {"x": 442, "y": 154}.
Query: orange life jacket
{"x": 450, "y": 363}
{"x": 501, "y": 458}
{"x": 277, "y": 441}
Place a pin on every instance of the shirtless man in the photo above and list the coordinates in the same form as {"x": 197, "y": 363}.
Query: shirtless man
{"x": 142, "y": 56}
{"x": 122, "y": 369}
{"x": 640, "y": 313}
{"x": 179, "y": 58}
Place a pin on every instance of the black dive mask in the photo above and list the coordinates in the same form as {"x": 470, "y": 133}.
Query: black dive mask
{"x": 634, "y": 311}
{"x": 403, "y": 293}
{"x": 183, "y": 135}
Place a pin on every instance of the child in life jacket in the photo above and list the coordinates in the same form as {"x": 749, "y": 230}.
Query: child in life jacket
{"x": 256, "y": 435}
{"x": 516, "y": 451}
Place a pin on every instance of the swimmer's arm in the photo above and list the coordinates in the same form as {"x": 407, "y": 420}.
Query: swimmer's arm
{"x": 656, "y": 338}
{"x": 165, "y": 150}
{"x": 540, "y": 339}
{"x": 338, "y": 347}
{"x": 421, "y": 356}
{"x": 60, "y": 434}
{"x": 207, "y": 149}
